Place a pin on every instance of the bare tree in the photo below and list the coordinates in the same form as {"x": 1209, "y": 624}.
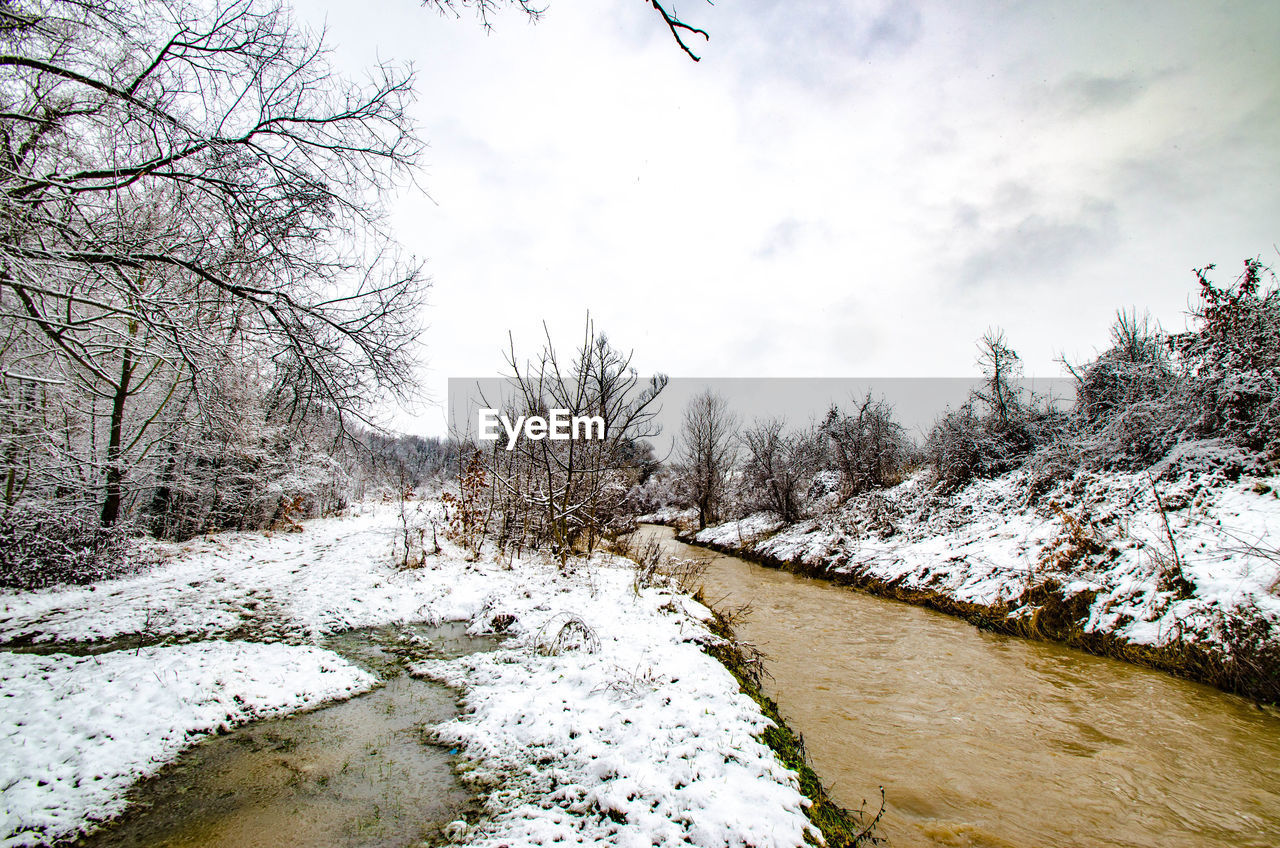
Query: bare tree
{"x": 707, "y": 452}
{"x": 779, "y": 466}
{"x": 995, "y": 428}
{"x": 680, "y": 30}
{"x": 568, "y": 491}
{"x": 184, "y": 188}
{"x": 869, "y": 447}
{"x": 1001, "y": 367}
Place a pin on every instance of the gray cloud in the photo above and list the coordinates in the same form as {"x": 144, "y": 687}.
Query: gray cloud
{"x": 1042, "y": 245}
{"x": 787, "y": 236}
{"x": 893, "y": 31}
{"x": 819, "y": 46}
{"x": 1087, "y": 93}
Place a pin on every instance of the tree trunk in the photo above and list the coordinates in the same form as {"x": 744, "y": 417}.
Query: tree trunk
{"x": 115, "y": 474}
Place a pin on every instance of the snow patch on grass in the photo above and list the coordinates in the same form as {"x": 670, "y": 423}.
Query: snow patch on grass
{"x": 645, "y": 740}
{"x": 76, "y": 732}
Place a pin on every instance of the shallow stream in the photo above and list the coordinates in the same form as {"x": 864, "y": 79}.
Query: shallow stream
{"x": 362, "y": 772}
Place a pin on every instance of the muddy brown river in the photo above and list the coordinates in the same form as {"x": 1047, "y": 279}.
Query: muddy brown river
{"x": 987, "y": 740}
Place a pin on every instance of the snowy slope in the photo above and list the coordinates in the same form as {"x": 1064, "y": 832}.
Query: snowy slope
{"x": 1096, "y": 532}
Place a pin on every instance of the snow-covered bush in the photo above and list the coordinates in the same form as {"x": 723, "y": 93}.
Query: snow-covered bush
{"x": 965, "y": 445}
{"x": 42, "y": 545}
{"x": 238, "y": 481}
{"x": 660, "y": 489}
{"x": 778, "y": 467}
{"x": 868, "y": 447}
{"x": 1136, "y": 370}
{"x": 1233, "y": 359}
{"x": 1137, "y": 435}
{"x": 995, "y": 429}
{"x": 1149, "y": 393}
{"x": 824, "y": 491}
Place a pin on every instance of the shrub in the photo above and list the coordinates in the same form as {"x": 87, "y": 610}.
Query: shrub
{"x": 565, "y": 632}
{"x": 994, "y": 430}
{"x": 1135, "y": 370}
{"x": 467, "y": 512}
{"x": 778, "y": 467}
{"x": 241, "y": 481}
{"x": 660, "y": 489}
{"x": 964, "y": 445}
{"x": 41, "y": 546}
{"x": 869, "y": 448}
{"x": 1251, "y": 664}
{"x": 1233, "y": 359}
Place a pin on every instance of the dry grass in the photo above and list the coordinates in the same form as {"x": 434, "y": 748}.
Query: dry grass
{"x": 565, "y": 632}
{"x": 656, "y": 569}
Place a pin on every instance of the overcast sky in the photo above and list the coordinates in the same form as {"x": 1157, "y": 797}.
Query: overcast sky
{"x": 838, "y": 189}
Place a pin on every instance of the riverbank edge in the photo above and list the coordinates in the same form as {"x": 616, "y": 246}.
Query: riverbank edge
{"x": 841, "y": 828}
{"x": 1056, "y": 617}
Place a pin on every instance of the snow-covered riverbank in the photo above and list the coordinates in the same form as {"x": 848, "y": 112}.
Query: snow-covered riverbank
{"x": 600, "y": 717}
{"x": 1090, "y": 561}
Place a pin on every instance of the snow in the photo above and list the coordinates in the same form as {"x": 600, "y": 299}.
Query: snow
{"x": 741, "y": 532}
{"x": 335, "y": 576}
{"x": 672, "y": 516}
{"x": 75, "y": 732}
{"x": 987, "y": 544}
{"x": 628, "y": 734}
{"x": 644, "y": 741}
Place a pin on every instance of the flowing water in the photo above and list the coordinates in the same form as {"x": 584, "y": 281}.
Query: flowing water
{"x": 362, "y": 772}
{"x": 987, "y": 740}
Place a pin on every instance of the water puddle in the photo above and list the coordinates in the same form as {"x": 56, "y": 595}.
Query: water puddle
{"x": 362, "y": 772}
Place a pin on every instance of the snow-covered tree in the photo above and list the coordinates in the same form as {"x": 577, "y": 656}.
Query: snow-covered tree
{"x": 569, "y": 492}
{"x": 707, "y": 451}
{"x": 778, "y": 467}
{"x": 868, "y": 446}
{"x": 191, "y": 239}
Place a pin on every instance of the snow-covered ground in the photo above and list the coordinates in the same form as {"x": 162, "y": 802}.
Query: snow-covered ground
{"x": 1098, "y": 532}
{"x": 76, "y": 732}
{"x": 599, "y": 718}
{"x": 672, "y": 516}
